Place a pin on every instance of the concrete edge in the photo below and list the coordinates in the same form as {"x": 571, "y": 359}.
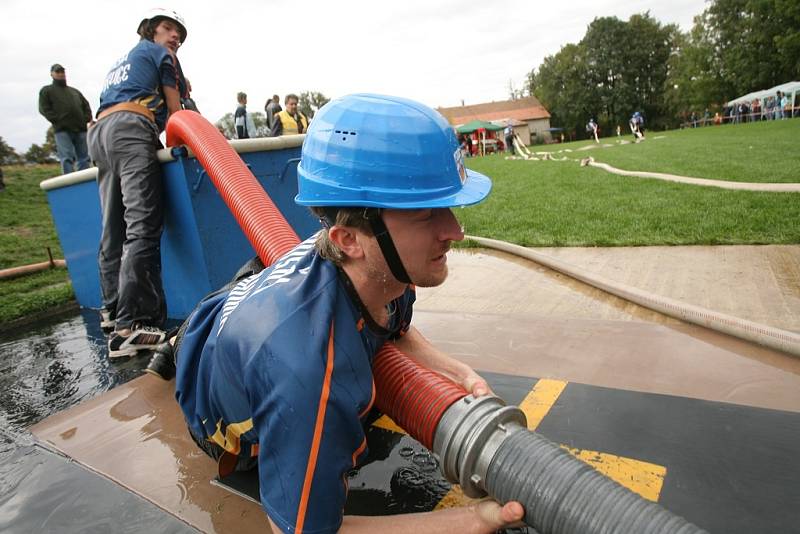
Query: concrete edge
{"x": 764, "y": 335}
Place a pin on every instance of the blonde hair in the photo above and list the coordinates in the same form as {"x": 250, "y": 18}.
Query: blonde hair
{"x": 352, "y": 217}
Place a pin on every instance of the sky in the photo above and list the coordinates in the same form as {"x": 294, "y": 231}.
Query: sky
{"x": 439, "y": 52}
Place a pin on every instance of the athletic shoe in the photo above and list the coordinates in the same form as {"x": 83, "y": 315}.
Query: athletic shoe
{"x": 108, "y": 320}
{"x": 162, "y": 364}
{"x": 141, "y": 338}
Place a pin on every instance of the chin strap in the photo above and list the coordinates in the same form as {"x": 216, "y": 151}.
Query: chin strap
{"x": 373, "y": 216}
{"x": 387, "y": 245}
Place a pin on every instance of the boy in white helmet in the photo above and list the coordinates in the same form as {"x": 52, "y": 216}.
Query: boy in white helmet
{"x": 140, "y": 91}
{"x": 277, "y": 370}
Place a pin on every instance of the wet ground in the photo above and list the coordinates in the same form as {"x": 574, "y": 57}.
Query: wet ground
{"x": 45, "y": 370}
{"x": 498, "y": 313}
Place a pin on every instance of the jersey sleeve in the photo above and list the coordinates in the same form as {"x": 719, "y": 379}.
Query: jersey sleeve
{"x": 307, "y": 394}
{"x": 168, "y": 70}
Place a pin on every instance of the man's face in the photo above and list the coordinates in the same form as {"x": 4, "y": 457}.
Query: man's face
{"x": 167, "y": 35}
{"x": 291, "y": 106}
{"x": 422, "y": 238}
{"x": 59, "y": 75}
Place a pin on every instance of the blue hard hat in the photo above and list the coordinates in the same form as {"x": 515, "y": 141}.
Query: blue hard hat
{"x": 384, "y": 152}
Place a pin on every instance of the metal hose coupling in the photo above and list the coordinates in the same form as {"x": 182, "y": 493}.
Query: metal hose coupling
{"x": 486, "y": 447}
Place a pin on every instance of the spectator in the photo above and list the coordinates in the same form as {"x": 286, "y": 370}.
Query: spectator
{"x": 592, "y": 129}
{"x": 508, "y": 133}
{"x": 253, "y": 396}
{"x": 785, "y": 107}
{"x": 140, "y": 92}
{"x": 778, "y": 107}
{"x": 291, "y": 120}
{"x": 272, "y": 108}
{"x": 245, "y": 128}
{"x": 637, "y": 126}
{"x": 69, "y": 113}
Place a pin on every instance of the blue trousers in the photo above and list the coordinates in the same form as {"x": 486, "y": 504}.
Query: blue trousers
{"x": 72, "y": 151}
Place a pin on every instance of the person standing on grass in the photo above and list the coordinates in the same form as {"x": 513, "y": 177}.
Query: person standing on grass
{"x": 509, "y": 138}
{"x": 591, "y": 128}
{"x": 70, "y": 114}
{"x": 142, "y": 89}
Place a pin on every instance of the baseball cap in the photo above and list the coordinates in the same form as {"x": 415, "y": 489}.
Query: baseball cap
{"x": 56, "y": 67}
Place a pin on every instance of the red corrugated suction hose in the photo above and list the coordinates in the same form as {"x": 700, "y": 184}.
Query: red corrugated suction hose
{"x": 261, "y": 221}
{"x": 411, "y": 395}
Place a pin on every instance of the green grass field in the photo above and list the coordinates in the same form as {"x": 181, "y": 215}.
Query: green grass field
{"x": 754, "y": 152}
{"x": 559, "y": 203}
{"x": 533, "y": 203}
{"x": 26, "y": 230}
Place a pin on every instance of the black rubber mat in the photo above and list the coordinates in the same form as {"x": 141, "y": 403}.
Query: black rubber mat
{"x": 729, "y": 468}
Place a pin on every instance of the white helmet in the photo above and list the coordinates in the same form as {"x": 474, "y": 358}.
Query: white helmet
{"x": 158, "y": 12}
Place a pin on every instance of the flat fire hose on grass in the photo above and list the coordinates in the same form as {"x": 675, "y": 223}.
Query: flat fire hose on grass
{"x": 482, "y": 444}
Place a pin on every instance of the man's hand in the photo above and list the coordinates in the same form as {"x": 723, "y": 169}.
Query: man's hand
{"x": 495, "y": 517}
{"x": 419, "y": 349}
{"x": 475, "y": 384}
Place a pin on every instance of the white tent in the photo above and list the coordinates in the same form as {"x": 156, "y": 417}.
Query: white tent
{"x": 790, "y": 88}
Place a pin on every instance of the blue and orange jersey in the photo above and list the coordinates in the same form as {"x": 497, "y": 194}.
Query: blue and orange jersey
{"x": 138, "y": 77}
{"x": 281, "y": 366}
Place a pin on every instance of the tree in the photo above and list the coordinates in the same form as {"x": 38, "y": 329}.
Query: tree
{"x": 562, "y": 85}
{"x": 617, "y": 68}
{"x": 38, "y": 154}
{"x": 50, "y": 141}
{"x": 310, "y": 102}
{"x": 754, "y": 44}
{"x": 8, "y": 156}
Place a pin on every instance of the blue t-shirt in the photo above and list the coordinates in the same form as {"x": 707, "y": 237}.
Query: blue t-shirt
{"x": 138, "y": 76}
{"x": 282, "y": 365}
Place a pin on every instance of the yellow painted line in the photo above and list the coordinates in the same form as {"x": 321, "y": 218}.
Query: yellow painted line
{"x": 640, "y": 477}
{"x": 542, "y": 397}
{"x": 385, "y": 422}
{"x": 643, "y": 478}
{"x": 455, "y": 498}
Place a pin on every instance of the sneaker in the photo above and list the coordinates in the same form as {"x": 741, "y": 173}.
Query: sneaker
{"x": 162, "y": 364}
{"x": 140, "y": 338}
{"x": 108, "y": 320}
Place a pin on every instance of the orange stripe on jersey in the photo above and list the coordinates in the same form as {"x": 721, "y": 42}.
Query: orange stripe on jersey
{"x": 360, "y": 324}
{"x": 366, "y": 410}
{"x": 318, "y": 427}
{"x": 359, "y": 450}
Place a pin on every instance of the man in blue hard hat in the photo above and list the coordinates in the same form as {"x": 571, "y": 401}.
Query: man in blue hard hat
{"x": 275, "y": 371}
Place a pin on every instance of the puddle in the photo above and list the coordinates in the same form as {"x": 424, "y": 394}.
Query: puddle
{"x": 44, "y": 370}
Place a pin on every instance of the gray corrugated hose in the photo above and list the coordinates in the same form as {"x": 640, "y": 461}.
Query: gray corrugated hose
{"x": 487, "y": 448}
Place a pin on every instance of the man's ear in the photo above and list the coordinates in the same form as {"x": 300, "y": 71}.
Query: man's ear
{"x": 346, "y": 238}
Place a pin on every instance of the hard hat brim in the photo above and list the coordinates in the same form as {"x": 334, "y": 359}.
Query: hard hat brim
{"x": 475, "y": 189}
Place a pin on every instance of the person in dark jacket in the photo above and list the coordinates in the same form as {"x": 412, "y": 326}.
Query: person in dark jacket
{"x": 69, "y": 113}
